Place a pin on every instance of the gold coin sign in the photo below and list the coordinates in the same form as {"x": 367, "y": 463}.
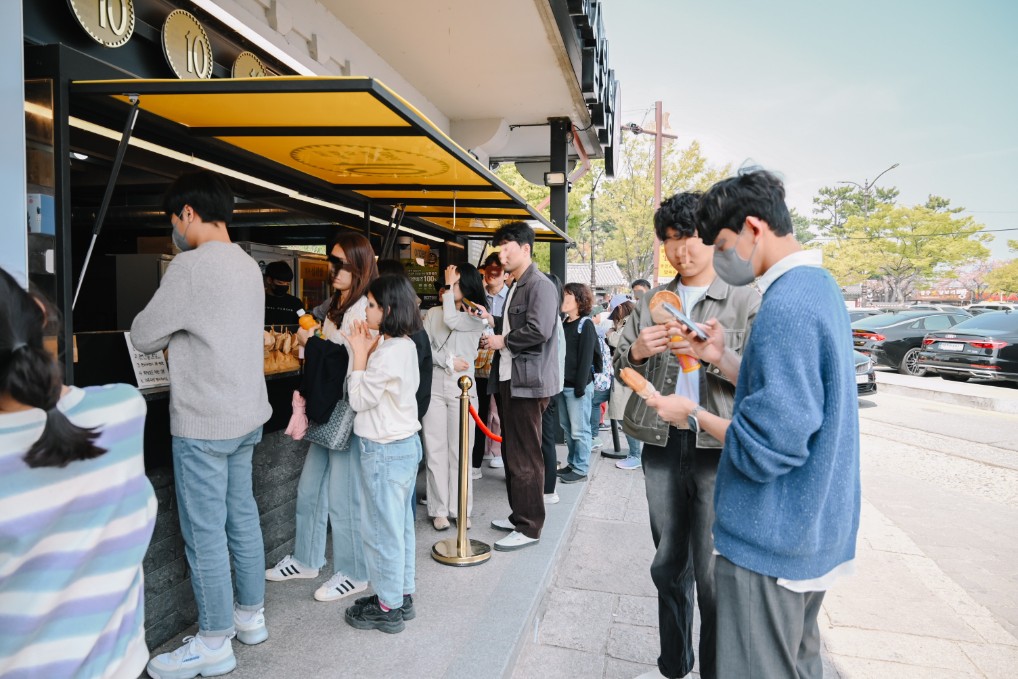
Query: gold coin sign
{"x": 248, "y": 65}
{"x": 186, "y": 46}
{"x": 108, "y": 22}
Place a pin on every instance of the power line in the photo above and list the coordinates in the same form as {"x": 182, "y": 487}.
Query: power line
{"x": 917, "y": 235}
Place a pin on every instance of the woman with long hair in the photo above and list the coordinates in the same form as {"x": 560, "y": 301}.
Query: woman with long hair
{"x": 454, "y": 330}
{"x": 575, "y": 401}
{"x": 620, "y": 392}
{"x": 329, "y": 489}
{"x": 76, "y": 510}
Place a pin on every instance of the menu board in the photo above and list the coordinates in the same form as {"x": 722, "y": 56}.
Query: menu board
{"x": 150, "y": 370}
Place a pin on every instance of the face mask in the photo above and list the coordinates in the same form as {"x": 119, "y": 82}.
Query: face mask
{"x": 178, "y": 238}
{"x": 732, "y": 268}
{"x": 280, "y": 290}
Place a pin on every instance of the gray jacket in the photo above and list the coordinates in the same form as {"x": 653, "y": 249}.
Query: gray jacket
{"x": 532, "y": 339}
{"x": 735, "y": 309}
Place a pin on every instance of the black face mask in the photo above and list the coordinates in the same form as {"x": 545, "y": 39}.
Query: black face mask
{"x": 280, "y": 290}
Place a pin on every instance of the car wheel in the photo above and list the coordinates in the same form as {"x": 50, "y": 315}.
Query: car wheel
{"x": 910, "y": 364}
{"x": 955, "y": 378}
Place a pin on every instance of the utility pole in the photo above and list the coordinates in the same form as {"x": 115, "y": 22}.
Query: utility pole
{"x": 659, "y": 137}
{"x": 866, "y": 187}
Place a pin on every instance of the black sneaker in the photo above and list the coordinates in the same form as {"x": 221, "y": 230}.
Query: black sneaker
{"x": 564, "y": 470}
{"x": 572, "y": 477}
{"x": 371, "y": 616}
{"x": 407, "y": 608}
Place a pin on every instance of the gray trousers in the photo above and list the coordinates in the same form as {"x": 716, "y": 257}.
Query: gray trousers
{"x": 765, "y": 630}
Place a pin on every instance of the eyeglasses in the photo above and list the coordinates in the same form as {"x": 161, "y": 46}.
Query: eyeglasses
{"x": 338, "y": 263}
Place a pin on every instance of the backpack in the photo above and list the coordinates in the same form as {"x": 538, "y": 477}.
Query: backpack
{"x": 602, "y": 366}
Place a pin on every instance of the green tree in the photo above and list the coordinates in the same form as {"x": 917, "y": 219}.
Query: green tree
{"x": 803, "y": 228}
{"x": 903, "y": 246}
{"x": 834, "y": 205}
{"x": 1004, "y": 278}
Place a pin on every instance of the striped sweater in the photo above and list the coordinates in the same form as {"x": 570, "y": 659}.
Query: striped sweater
{"x": 72, "y": 541}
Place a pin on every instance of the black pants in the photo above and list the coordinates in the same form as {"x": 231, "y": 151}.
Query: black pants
{"x": 680, "y": 497}
{"x": 483, "y": 408}
{"x": 549, "y": 424}
{"x": 524, "y": 463}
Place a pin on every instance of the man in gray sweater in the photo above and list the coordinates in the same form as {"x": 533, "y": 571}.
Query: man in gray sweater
{"x": 208, "y": 310}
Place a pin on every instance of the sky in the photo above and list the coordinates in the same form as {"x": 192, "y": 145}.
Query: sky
{"x": 825, "y": 91}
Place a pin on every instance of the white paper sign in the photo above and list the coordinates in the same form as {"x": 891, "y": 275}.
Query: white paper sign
{"x": 149, "y": 369}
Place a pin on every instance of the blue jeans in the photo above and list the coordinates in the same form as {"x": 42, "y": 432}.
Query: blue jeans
{"x": 219, "y": 519}
{"x": 329, "y": 490}
{"x": 635, "y": 446}
{"x": 596, "y": 400}
{"x": 574, "y": 415}
{"x": 388, "y": 474}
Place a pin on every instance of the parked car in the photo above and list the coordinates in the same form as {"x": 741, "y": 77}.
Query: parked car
{"x": 979, "y": 307}
{"x": 865, "y": 375}
{"x": 856, "y": 314}
{"x": 931, "y": 306}
{"x": 896, "y": 339}
{"x": 985, "y": 346}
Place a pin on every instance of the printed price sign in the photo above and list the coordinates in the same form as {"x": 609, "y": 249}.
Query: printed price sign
{"x": 150, "y": 370}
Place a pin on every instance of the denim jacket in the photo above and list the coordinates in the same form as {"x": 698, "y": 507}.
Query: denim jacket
{"x": 735, "y": 308}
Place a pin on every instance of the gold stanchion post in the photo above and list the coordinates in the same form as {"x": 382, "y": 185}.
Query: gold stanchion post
{"x": 461, "y": 551}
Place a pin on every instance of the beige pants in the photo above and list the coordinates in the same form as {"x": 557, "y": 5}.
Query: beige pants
{"x": 441, "y": 440}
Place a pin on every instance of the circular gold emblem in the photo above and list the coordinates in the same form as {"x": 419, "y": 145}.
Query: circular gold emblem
{"x": 349, "y": 160}
{"x": 247, "y": 65}
{"x": 108, "y": 22}
{"x": 186, "y": 46}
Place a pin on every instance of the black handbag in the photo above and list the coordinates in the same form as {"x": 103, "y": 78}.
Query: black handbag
{"x": 334, "y": 434}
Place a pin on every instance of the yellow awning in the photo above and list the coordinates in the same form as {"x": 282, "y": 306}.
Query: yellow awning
{"x": 354, "y": 134}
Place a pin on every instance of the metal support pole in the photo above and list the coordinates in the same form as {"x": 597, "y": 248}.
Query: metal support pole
{"x": 461, "y": 551}
{"x": 118, "y": 160}
{"x": 657, "y": 181}
{"x": 561, "y": 128}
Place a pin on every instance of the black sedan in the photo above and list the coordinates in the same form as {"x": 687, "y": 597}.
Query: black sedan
{"x": 985, "y": 347}
{"x": 895, "y": 339}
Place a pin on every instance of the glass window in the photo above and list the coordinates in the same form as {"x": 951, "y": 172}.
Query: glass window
{"x": 994, "y": 321}
{"x": 937, "y": 322}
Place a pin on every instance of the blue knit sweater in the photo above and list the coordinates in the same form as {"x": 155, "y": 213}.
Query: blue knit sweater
{"x": 787, "y": 492}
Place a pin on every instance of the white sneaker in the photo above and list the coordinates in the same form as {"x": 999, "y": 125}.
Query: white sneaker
{"x": 515, "y": 541}
{"x": 596, "y": 444}
{"x": 192, "y": 659}
{"x": 551, "y": 498}
{"x": 338, "y": 587}
{"x": 287, "y": 569}
{"x": 652, "y": 674}
{"x": 503, "y": 524}
{"x": 476, "y": 473}
{"x": 253, "y": 631}
{"x": 496, "y": 462}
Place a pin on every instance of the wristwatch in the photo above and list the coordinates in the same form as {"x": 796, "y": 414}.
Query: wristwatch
{"x": 694, "y": 424}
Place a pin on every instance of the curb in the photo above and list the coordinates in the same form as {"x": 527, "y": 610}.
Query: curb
{"x": 1006, "y": 403}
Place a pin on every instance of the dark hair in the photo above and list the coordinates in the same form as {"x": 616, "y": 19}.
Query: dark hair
{"x": 29, "y": 375}
{"x": 389, "y": 267}
{"x": 514, "y": 232}
{"x": 279, "y": 270}
{"x": 492, "y": 259}
{"x": 621, "y": 311}
{"x": 584, "y": 298}
{"x": 641, "y": 281}
{"x": 206, "y": 192}
{"x": 679, "y": 213}
{"x": 753, "y": 192}
{"x": 471, "y": 284}
{"x": 398, "y": 301}
{"x": 360, "y": 262}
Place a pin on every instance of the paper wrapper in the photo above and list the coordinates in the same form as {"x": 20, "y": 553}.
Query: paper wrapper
{"x": 638, "y": 383}
{"x": 660, "y": 316}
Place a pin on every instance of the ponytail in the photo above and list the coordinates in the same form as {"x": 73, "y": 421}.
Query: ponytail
{"x": 30, "y": 376}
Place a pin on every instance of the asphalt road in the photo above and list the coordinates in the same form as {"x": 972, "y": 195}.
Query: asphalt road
{"x": 948, "y": 476}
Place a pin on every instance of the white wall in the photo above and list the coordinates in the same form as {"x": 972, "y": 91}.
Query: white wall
{"x": 13, "y": 220}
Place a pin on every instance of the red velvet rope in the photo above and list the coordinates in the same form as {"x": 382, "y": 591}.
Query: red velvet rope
{"x": 487, "y": 432}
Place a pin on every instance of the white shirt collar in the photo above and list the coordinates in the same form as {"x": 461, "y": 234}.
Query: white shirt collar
{"x": 786, "y": 264}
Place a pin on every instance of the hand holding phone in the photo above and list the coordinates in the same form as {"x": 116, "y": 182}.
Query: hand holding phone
{"x": 685, "y": 320}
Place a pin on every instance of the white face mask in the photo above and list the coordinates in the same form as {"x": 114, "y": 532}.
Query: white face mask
{"x": 179, "y": 239}
{"x": 732, "y": 268}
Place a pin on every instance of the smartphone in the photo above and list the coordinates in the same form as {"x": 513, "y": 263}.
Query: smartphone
{"x": 473, "y": 307}
{"x": 685, "y": 320}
